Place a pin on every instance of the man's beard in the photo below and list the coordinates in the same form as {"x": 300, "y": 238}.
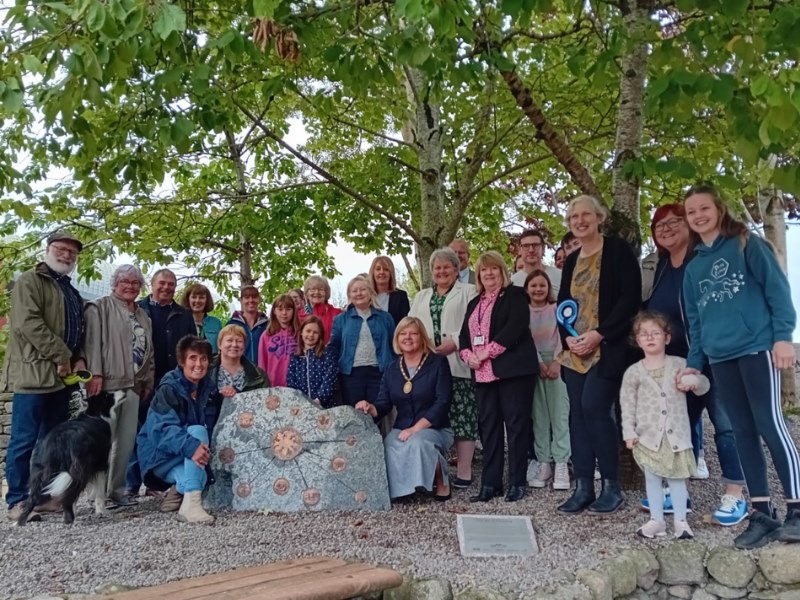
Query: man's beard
{"x": 59, "y": 267}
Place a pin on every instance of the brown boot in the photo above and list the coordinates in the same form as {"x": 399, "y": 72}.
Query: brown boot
{"x": 52, "y": 505}
{"x": 192, "y": 510}
{"x": 15, "y": 512}
{"x": 172, "y": 500}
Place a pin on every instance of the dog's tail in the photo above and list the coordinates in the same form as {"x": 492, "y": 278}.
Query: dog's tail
{"x": 59, "y": 484}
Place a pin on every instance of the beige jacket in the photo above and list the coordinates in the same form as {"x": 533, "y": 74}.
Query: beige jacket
{"x": 649, "y": 410}
{"x": 108, "y": 345}
{"x": 453, "y": 312}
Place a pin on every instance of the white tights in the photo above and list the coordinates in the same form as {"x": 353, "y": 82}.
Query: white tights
{"x": 655, "y": 496}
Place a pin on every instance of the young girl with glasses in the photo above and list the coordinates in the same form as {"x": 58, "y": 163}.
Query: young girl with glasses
{"x": 655, "y": 422}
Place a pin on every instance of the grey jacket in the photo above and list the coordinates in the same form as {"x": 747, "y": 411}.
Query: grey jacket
{"x": 108, "y": 345}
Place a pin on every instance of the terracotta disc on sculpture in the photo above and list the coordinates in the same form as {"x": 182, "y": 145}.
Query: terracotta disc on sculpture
{"x": 243, "y": 490}
{"x": 324, "y": 422}
{"x": 351, "y": 440}
{"x": 311, "y": 497}
{"x": 338, "y": 464}
{"x": 226, "y": 456}
{"x": 246, "y": 420}
{"x": 361, "y": 496}
{"x": 273, "y": 402}
{"x": 287, "y": 443}
{"x": 281, "y": 486}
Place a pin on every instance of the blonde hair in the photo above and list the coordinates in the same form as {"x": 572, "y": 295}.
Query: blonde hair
{"x": 404, "y": 324}
{"x": 492, "y": 258}
{"x": 386, "y": 262}
{"x": 231, "y": 330}
{"x": 373, "y": 295}
{"x": 599, "y": 209}
{"x": 319, "y": 279}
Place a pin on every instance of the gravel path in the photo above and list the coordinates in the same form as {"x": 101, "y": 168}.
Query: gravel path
{"x": 144, "y": 547}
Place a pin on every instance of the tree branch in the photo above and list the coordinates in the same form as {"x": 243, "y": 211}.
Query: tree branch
{"x": 411, "y": 275}
{"x": 221, "y": 246}
{"x": 399, "y": 161}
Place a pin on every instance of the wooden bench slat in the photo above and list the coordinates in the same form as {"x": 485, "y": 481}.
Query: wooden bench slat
{"x": 198, "y": 587}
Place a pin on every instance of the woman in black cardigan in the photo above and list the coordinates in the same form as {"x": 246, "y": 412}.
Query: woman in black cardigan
{"x": 604, "y": 279}
{"x": 496, "y": 343}
{"x": 384, "y": 280}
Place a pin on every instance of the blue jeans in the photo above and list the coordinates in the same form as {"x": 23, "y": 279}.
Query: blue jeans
{"x": 183, "y": 472}
{"x": 33, "y": 416}
{"x": 724, "y": 439}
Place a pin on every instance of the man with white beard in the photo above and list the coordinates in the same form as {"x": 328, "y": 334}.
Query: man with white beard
{"x": 45, "y": 343}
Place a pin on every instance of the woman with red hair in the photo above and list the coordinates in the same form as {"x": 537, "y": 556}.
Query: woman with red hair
{"x": 662, "y": 288}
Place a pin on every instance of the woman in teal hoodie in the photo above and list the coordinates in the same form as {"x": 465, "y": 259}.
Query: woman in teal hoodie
{"x": 741, "y": 319}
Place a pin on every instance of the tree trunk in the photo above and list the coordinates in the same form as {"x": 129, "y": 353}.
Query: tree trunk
{"x": 424, "y": 130}
{"x": 770, "y": 204}
{"x": 626, "y": 220}
{"x": 245, "y": 244}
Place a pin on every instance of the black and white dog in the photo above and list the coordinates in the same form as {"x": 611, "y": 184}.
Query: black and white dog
{"x": 73, "y": 456}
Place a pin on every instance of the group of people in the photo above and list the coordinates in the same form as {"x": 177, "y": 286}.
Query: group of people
{"x": 557, "y": 363}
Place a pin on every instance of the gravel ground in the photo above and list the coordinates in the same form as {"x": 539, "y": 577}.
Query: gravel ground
{"x": 141, "y": 546}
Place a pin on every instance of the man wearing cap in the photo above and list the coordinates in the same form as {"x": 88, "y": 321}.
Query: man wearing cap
{"x": 45, "y": 343}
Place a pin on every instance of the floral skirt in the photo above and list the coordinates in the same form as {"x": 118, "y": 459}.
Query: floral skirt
{"x": 464, "y": 410}
{"x": 664, "y": 462}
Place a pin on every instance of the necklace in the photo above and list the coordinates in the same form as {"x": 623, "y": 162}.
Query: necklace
{"x": 408, "y": 386}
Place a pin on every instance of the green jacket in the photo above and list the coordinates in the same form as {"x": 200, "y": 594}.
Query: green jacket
{"x": 36, "y": 335}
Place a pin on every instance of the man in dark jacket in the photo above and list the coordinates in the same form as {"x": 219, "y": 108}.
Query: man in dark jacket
{"x": 45, "y": 344}
{"x": 171, "y": 322}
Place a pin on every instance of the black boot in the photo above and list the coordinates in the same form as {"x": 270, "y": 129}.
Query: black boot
{"x": 515, "y": 493}
{"x": 582, "y": 497}
{"x": 610, "y": 500}
{"x": 486, "y": 494}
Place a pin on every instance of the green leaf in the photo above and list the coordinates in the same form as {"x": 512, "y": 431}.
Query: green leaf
{"x": 759, "y": 85}
{"x": 512, "y": 8}
{"x": 32, "y": 64}
{"x": 170, "y": 18}
{"x": 421, "y": 54}
{"x": 265, "y": 9}
{"x": 96, "y": 17}
{"x": 722, "y": 91}
{"x": 763, "y": 133}
{"x": 658, "y": 86}
{"x": 735, "y": 8}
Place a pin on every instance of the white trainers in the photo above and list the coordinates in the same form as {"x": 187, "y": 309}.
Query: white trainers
{"x": 702, "y": 469}
{"x": 543, "y": 475}
{"x": 683, "y": 531}
{"x": 533, "y": 470}
{"x": 653, "y": 529}
{"x": 561, "y": 478}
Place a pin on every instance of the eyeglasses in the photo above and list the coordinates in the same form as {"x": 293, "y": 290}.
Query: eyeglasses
{"x": 650, "y": 335}
{"x": 531, "y": 246}
{"x": 65, "y": 250}
{"x": 129, "y": 283}
{"x": 670, "y": 224}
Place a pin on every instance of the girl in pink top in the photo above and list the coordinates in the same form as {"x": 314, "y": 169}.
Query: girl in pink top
{"x": 278, "y": 343}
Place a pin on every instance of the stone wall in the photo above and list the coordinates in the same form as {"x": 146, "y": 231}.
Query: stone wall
{"x": 5, "y": 430}
{"x": 679, "y": 570}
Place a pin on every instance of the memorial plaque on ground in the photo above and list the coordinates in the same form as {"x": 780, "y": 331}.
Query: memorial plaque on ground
{"x": 274, "y": 449}
{"x": 496, "y": 535}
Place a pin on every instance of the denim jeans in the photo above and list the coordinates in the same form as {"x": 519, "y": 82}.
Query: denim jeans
{"x": 33, "y": 416}
{"x": 183, "y": 472}
{"x": 724, "y": 439}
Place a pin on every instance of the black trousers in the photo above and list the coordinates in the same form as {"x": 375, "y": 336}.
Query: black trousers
{"x": 593, "y": 431}
{"x": 505, "y": 402}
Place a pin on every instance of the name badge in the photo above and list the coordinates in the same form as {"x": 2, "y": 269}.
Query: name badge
{"x": 478, "y": 340}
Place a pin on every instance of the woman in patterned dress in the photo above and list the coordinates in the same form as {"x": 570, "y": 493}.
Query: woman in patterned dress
{"x": 441, "y": 308}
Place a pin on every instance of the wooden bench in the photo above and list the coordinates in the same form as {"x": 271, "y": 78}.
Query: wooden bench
{"x": 313, "y": 578}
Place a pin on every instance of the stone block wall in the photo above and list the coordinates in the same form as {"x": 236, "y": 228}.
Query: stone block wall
{"x": 5, "y": 430}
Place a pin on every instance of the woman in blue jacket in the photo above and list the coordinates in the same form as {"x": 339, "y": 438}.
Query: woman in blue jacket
{"x": 419, "y": 386}
{"x": 173, "y": 445}
{"x": 361, "y": 339}
{"x": 741, "y": 319}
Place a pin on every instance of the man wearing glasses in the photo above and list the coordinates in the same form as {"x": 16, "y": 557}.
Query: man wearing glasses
{"x": 45, "y": 344}
{"x": 531, "y": 245}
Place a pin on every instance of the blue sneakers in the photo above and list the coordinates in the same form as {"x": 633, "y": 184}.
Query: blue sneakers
{"x": 732, "y": 510}
{"x": 668, "y": 508}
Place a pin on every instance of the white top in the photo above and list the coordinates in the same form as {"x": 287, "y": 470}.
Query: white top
{"x": 366, "y": 354}
{"x": 383, "y": 300}
{"x": 554, "y": 274}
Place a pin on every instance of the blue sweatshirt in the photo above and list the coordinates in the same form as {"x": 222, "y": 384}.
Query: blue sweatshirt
{"x": 738, "y": 301}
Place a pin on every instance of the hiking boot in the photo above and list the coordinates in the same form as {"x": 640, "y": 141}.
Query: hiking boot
{"x": 191, "y": 510}
{"x": 761, "y": 530}
{"x": 790, "y": 530}
{"x": 702, "y": 469}
{"x": 732, "y": 510}
{"x": 52, "y": 505}
{"x": 561, "y": 479}
{"x": 543, "y": 474}
{"x": 582, "y": 497}
{"x": 172, "y": 500}
{"x": 610, "y": 500}
{"x": 15, "y": 512}
{"x": 652, "y": 529}
{"x": 683, "y": 531}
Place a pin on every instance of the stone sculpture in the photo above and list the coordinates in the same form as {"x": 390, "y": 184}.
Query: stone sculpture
{"x": 274, "y": 449}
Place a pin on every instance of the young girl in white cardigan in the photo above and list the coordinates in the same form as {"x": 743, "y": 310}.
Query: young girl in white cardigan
{"x": 655, "y": 423}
